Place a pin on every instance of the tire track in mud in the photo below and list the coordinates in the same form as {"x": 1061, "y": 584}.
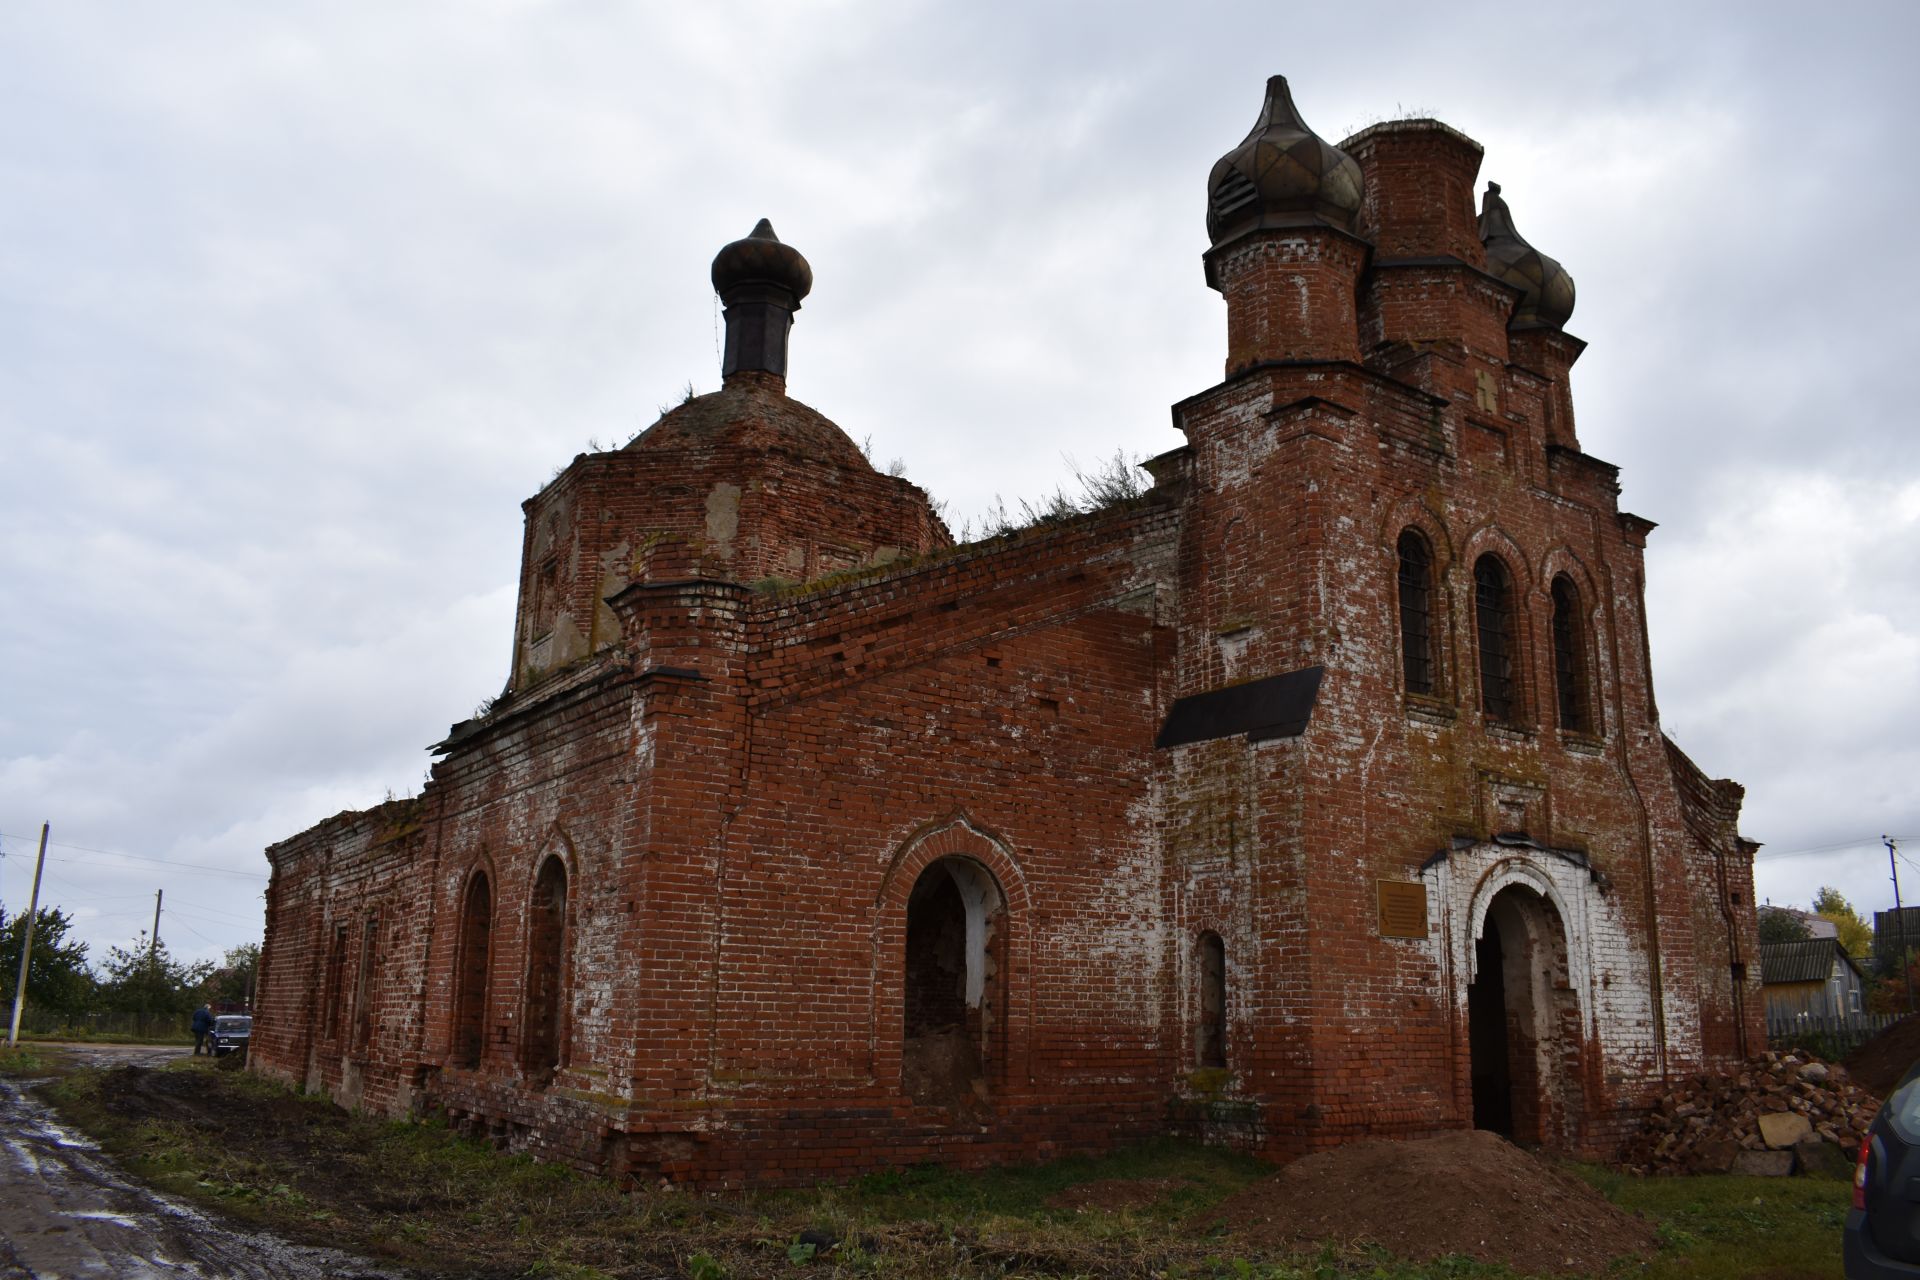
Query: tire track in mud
{"x": 66, "y": 1213}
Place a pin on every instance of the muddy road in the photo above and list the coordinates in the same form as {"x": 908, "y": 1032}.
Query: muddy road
{"x": 65, "y": 1212}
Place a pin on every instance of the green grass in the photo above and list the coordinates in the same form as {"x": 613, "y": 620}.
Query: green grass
{"x": 419, "y": 1194}
{"x": 1737, "y": 1228}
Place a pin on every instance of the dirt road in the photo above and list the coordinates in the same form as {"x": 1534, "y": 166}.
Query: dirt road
{"x": 65, "y": 1212}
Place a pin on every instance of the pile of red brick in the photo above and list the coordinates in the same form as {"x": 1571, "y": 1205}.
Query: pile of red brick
{"x": 1777, "y": 1114}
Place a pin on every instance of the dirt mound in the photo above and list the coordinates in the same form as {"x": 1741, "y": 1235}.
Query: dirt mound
{"x": 1470, "y": 1193}
{"x": 1703, "y": 1124}
{"x": 1880, "y": 1062}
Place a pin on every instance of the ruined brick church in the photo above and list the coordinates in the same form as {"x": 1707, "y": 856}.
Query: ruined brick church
{"x": 1318, "y": 791}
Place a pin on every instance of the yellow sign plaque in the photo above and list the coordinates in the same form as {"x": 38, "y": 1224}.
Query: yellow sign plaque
{"x": 1403, "y": 909}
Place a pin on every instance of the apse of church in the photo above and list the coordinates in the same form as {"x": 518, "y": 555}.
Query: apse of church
{"x": 1317, "y": 792}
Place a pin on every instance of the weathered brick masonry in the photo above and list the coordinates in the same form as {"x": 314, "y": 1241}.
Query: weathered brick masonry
{"x": 1317, "y": 792}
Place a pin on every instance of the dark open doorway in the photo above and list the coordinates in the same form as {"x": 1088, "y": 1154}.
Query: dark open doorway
{"x": 1524, "y": 1024}
{"x": 1487, "y": 1036}
{"x": 952, "y": 1000}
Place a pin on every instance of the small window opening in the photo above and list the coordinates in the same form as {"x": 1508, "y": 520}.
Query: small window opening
{"x": 1493, "y": 610}
{"x": 1211, "y": 1040}
{"x": 1569, "y": 671}
{"x": 1416, "y": 612}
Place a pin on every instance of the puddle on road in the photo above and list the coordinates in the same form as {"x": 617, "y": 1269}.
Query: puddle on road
{"x": 64, "y": 1211}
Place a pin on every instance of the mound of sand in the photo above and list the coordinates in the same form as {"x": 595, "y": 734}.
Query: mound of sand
{"x": 1471, "y": 1193}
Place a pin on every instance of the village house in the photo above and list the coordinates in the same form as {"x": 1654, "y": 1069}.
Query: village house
{"x": 1317, "y": 792}
{"x": 1809, "y": 982}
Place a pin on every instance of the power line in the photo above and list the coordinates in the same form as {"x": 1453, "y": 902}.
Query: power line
{"x": 137, "y": 857}
{"x": 1821, "y": 848}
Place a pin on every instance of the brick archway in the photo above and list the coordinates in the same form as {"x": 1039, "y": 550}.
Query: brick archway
{"x": 1524, "y": 1020}
{"x": 1001, "y": 891}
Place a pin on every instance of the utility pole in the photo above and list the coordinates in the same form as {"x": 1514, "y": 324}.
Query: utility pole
{"x": 1906, "y": 979}
{"x": 153, "y": 943}
{"x": 26, "y": 940}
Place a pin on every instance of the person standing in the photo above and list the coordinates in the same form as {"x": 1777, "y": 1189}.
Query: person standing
{"x": 202, "y": 1028}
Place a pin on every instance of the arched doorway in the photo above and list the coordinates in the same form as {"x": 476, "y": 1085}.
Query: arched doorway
{"x": 953, "y": 1007}
{"x": 1523, "y": 1023}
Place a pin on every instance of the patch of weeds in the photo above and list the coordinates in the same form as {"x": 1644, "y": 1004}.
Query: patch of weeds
{"x": 24, "y": 1060}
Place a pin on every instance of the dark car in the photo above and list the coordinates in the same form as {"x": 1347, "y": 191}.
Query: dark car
{"x": 1883, "y": 1229}
{"x": 230, "y": 1033}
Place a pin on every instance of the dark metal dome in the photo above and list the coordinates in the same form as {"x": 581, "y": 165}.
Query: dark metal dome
{"x": 1546, "y": 290}
{"x": 1283, "y": 175}
{"x": 762, "y": 259}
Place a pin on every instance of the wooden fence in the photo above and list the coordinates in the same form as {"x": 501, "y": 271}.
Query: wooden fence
{"x": 1827, "y": 1036}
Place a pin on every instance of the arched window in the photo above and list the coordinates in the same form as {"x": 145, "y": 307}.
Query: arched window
{"x": 546, "y": 974}
{"x": 364, "y": 989}
{"x": 1210, "y": 1041}
{"x": 336, "y": 982}
{"x": 1493, "y": 616}
{"x": 470, "y": 973}
{"x": 1569, "y": 654}
{"x": 1416, "y": 612}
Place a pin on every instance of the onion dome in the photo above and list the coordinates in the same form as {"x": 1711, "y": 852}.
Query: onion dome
{"x": 760, "y": 282}
{"x": 761, "y": 259}
{"x": 1283, "y": 175}
{"x": 1546, "y": 290}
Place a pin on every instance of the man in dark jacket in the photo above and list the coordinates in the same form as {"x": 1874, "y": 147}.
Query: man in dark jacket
{"x": 202, "y": 1028}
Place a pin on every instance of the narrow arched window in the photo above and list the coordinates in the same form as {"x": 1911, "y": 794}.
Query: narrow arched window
{"x": 1210, "y": 1039}
{"x": 1493, "y": 616}
{"x": 470, "y": 973}
{"x": 364, "y": 989}
{"x": 1569, "y": 653}
{"x": 546, "y": 973}
{"x": 1416, "y": 612}
{"x": 336, "y": 982}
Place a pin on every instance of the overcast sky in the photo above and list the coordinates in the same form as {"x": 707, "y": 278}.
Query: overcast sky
{"x": 299, "y": 301}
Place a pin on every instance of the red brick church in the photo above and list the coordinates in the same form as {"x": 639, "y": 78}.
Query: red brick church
{"x": 1318, "y": 791}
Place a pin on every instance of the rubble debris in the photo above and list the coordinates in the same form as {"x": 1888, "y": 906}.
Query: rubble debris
{"x": 1767, "y": 1117}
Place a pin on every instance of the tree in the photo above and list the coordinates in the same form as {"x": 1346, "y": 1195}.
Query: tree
{"x": 144, "y": 979}
{"x": 1855, "y": 934}
{"x": 58, "y": 979}
{"x": 232, "y": 980}
{"x": 1777, "y": 924}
